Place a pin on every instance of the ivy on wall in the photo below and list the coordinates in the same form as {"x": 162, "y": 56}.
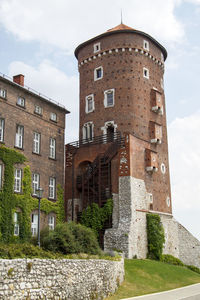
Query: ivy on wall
{"x": 94, "y": 216}
{"x": 155, "y": 236}
{"x": 11, "y": 202}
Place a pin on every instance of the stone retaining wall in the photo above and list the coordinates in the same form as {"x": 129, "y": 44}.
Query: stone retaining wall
{"x": 59, "y": 279}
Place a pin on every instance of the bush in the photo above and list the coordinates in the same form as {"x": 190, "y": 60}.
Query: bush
{"x": 170, "y": 259}
{"x": 155, "y": 236}
{"x": 69, "y": 238}
{"x": 194, "y": 269}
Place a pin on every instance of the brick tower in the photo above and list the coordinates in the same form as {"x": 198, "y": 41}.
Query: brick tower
{"x": 122, "y": 150}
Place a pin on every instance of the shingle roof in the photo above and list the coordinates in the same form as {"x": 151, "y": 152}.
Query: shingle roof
{"x": 121, "y": 27}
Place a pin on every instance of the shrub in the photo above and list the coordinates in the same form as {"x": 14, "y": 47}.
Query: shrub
{"x": 170, "y": 259}
{"x": 69, "y": 238}
{"x": 155, "y": 236}
{"x": 194, "y": 269}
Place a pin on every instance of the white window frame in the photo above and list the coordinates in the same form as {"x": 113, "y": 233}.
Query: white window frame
{"x": 146, "y": 45}
{"x": 106, "y": 93}
{"x": 1, "y": 176}
{"x": 34, "y": 224}
{"x": 52, "y": 188}
{"x": 17, "y": 180}
{"x": 146, "y": 73}
{"x": 88, "y": 131}
{"x": 38, "y": 110}
{"x": 95, "y": 73}
{"x": 16, "y": 224}
{"x": 53, "y": 117}
{"x": 19, "y": 137}
{"x": 3, "y": 93}
{"x": 97, "y": 47}
{"x": 87, "y": 99}
{"x": 52, "y": 148}
{"x": 21, "y": 101}
{"x": 35, "y": 183}
{"x": 51, "y": 222}
{"x": 36, "y": 142}
{"x": 2, "y": 126}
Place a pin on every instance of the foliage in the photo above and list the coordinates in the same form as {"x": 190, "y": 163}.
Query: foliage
{"x": 193, "y": 268}
{"x": 94, "y": 216}
{"x": 25, "y": 203}
{"x": 170, "y": 259}
{"x": 70, "y": 238}
{"x": 155, "y": 236}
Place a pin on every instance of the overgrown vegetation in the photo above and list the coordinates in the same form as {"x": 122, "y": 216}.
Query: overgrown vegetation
{"x": 70, "y": 238}
{"x": 25, "y": 203}
{"x": 170, "y": 259}
{"x": 94, "y": 216}
{"x": 155, "y": 236}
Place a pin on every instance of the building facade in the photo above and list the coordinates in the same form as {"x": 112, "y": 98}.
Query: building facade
{"x": 35, "y": 126}
{"x": 122, "y": 150}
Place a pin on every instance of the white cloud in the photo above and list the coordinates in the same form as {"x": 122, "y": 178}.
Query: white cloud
{"x": 50, "y": 81}
{"x": 66, "y": 23}
{"x": 184, "y": 148}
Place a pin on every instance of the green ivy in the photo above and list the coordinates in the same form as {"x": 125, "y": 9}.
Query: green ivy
{"x": 94, "y": 216}
{"x": 9, "y": 201}
{"x": 155, "y": 236}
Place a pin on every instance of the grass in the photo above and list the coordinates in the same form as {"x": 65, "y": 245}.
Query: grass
{"x": 149, "y": 276}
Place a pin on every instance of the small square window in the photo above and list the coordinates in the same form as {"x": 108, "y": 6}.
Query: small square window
{"x": 146, "y": 45}
{"x": 97, "y": 47}
{"x": 98, "y": 73}
{"x": 38, "y": 110}
{"x": 89, "y": 103}
{"x": 53, "y": 117}
{"x": 3, "y": 93}
{"x": 21, "y": 101}
{"x": 109, "y": 98}
{"x": 145, "y": 73}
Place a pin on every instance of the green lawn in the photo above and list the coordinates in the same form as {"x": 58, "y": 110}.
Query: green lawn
{"x": 148, "y": 276}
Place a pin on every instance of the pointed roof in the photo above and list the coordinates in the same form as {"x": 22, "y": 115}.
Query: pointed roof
{"x": 120, "y": 27}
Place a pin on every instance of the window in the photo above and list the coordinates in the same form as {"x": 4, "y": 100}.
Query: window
{"x": 162, "y": 57}
{"x": 1, "y": 175}
{"x": 88, "y": 131}
{"x": 34, "y": 224}
{"x": 97, "y": 47}
{"x": 163, "y": 168}
{"x": 98, "y": 73}
{"x": 2, "y": 130}
{"x": 3, "y": 93}
{"x": 146, "y": 45}
{"x": 19, "y": 136}
{"x": 21, "y": 101}
{"x": 52, "y": 149}
{"x": 89, "y": 103}
{"x": 38, "y": 110}
{"x": 145, "y": 73}
{"x": 162, "y": 83}
{"x": 52, "y": 186}
{"x": 36, "y": 142}
{"x": 17, "y": 180}
{"x": 109, "y": 98}
{"x": 51, "y": 222}
{"x": 36, "y": 183}
{"x": 16, "y": 223}
{"x": 53, "y": 117}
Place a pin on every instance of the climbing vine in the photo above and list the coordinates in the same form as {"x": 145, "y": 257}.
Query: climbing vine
{"x": 94, "y": 216}
{"x": 11, "y": 202}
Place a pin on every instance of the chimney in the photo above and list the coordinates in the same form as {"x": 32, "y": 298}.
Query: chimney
{"x": 19, "y": 79}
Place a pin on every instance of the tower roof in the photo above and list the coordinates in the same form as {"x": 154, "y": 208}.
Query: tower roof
{"x": 121, "y": 28}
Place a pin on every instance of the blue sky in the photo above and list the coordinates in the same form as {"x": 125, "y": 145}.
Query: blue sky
{"x": 38, "y": 38}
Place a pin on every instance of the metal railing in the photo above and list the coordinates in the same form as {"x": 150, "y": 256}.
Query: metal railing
{"x": 32, "y": 91}
{"x": 115, "y": 137}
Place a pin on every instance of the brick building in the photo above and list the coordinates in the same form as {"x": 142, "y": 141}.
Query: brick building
{"x": 122, "y": 150}
{"x": 34, "y": 125}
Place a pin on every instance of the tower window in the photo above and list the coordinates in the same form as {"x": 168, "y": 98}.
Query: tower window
{"x": 162, "y": 83}
{"x": 98, "y": 73}
{"x": 162, "y": 57}
{"x": 109, "y": 98}
{"x": 145, "y": 73}
{"x": 97, "y": 47}
{"x": 146, "y": 45}
{"x": 88, "y": 131}
{"x": 89, "y": 105}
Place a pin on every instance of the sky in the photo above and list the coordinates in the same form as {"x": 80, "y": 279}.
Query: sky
{"x": 38, "y": 38}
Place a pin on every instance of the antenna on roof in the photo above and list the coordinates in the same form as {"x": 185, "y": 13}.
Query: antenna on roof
{"x": 121, "y": 16}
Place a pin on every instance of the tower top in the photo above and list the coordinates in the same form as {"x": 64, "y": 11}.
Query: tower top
{"x": 120, "y": 27}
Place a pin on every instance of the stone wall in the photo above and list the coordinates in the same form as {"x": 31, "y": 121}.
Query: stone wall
{"x": 59, "y": 279}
